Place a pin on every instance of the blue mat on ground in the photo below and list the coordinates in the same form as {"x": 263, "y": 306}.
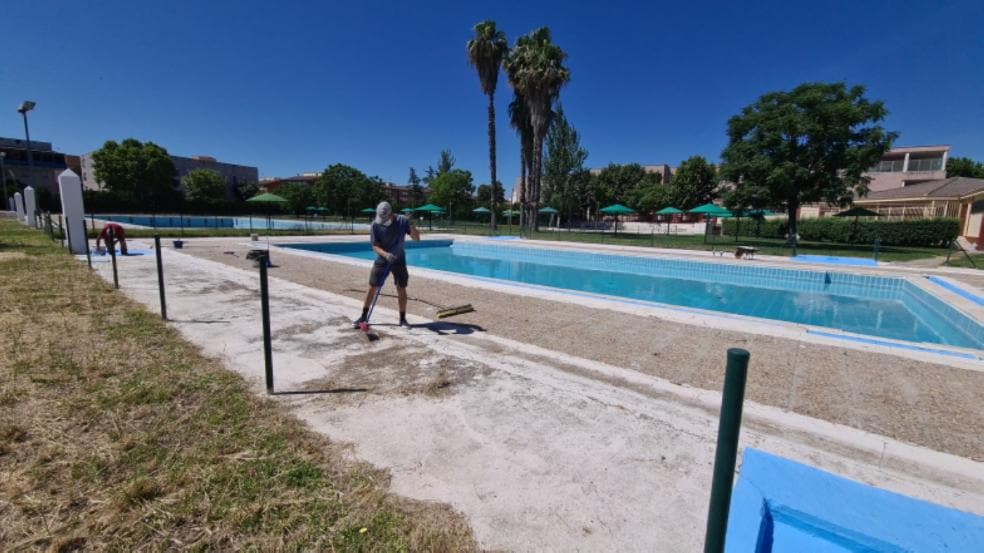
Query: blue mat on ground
{"x": 834, "y": 260}
{"x": 783, "y": 506}
{"x": 129, "y": 253}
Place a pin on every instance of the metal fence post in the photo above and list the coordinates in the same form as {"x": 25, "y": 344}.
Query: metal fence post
{"x": 727, "y": 450}
{"x": 265, "y": 304}
{"x": 160, "y": 276}
{"x": 112, "y": 254}
{"x": 85, "y": 234}
{"x": 61, "y": 229}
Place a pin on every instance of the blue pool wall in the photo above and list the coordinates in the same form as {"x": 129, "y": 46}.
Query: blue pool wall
{"x": 780, "y": 505}
{"x": 258, "y": 222}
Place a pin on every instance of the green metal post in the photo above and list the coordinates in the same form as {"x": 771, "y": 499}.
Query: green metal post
{"x": 111, "y": 246}
{"x": 265, "y": 304}
{"x": 160, "y": 276}
{"x": 727, "y": 450}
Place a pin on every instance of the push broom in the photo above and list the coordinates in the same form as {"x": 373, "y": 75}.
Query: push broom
{"x": 443, "y": 312}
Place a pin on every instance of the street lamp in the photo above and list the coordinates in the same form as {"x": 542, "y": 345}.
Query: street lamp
{"x": 25, "y": 107}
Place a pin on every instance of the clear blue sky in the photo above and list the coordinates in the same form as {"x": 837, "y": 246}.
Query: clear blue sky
{"x": 294, "y": 86}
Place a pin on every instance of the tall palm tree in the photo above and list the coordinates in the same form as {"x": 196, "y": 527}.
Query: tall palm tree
{"x": 536, "y": 71}
{"x": 486, "y": 52}
{"x": 519, "y": 118}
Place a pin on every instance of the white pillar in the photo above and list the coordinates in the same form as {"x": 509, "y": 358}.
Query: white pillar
{"x": 905, "y": 164}
{"x": 30, "y": 207}
{"x": 73, "y": 210}
{"x": 19, "y": 206}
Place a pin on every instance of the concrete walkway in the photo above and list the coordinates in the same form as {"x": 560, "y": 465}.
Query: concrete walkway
{"x": 540, "y": 450}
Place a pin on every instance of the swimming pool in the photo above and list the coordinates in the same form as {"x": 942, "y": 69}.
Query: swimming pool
{"x": 878, "y": 306}
{"x": 257, "y": 222}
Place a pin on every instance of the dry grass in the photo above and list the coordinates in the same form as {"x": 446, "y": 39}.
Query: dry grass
{"x": 116, "y": 434}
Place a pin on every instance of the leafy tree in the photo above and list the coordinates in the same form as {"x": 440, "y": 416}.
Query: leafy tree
{"x": 651, "y": 197}
{"x": 453, "y": 190}
{"x": 695, "y": 183}
{"x": 138, "y": 172}
{"x": 204, "y": 185}
{"x": 345, "y": 190}
{"x": 809, "y": 144}
{"x": 964, "y": 167}
{"x": 444, "y": 164}
{"x": 486, "y": 52}
{"x": 247, "y": 190}
{"x": 416, "y": 191}
{"x": 483, "y": 195}
{"x": 298, "y": 195}
{"x": 563, "y": 166}
{"x": 536, "y": 71}
{"x": 519, "y": 119}
{"x": 622, "y": 183}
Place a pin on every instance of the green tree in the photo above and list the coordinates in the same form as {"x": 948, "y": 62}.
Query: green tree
{"x": 486, "y": 52}
{"x": 345, "y": 190}
{"x": 563, "y": 166}
{"x": 623, "y": 184}
{"x": 694, "y": 183}
{"x": 298, "y": 195}
{"x": 651, "y": 197}
{"x": 416, "y": 191}
{"x": 137, "y": 172}
{"x": 204, "y": 185}
{"x": 453, "y": 190}
{"x": 444, "y": 164}
{"x": 247, "y": 190}
{"x": 964, "y": 167}
{"x": 536, "y": 70}
{"x": 483, "y": 194}
{"x": 810, "y": 144}
{"x": 519, "y": 119}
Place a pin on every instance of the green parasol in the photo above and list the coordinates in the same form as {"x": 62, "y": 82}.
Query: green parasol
{"x": 616, "y": 210}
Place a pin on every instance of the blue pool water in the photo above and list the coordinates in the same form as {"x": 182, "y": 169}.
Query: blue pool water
{"x": 885, "y": 307}
{"x": 257, "y": 222}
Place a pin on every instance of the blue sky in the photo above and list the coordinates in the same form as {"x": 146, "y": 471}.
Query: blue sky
{"x": 294, "y": 86}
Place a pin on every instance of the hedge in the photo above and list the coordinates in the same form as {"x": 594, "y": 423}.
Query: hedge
{"x": 938, "y": 232}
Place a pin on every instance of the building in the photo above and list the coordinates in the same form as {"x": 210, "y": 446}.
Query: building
{"x": 898, "y": 168}
{"x": 47, "y": 165}
{"x": 908, "y": 165}
{"x": 235, "y": 175}
{"x": 961, "y": 197}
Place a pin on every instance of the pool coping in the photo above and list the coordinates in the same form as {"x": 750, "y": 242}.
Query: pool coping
{"x": 932, "y": 353}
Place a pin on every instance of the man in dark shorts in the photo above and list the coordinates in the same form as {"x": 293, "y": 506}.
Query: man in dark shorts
{"x": 111, "y": 232}
{"x": 387, "y": 235}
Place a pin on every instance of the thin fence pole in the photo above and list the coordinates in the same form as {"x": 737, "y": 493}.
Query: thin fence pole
{"x": 265, "y": 306}
{"x": 61, "y": 230}
{"x": 112, "y": 254}
{"x": 85, "y": 235}
{"x": 729, "y": 427}
{"x": 160, "y": 276}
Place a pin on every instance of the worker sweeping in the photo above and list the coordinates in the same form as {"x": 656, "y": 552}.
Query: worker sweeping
{"x": 387, "y": 234}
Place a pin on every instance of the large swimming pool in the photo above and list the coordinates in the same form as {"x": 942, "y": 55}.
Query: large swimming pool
{"x": 257, "y": 222}
{"x": 878, "y": 306}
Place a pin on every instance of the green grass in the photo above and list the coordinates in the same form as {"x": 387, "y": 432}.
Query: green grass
{"x": 116, "y": 434}
{"x": 958, "y": 259}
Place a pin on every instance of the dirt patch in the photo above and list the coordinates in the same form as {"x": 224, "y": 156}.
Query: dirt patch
{"x": 922, "y": 403}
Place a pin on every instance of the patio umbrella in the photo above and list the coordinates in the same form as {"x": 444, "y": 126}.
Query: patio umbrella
{"x": 669, "y": 211}
{"x": 856, "y": 212}
{"x": 548, "y": 211}
{"x": 268, "y": 199}
{"x": 406, "y": 210}
{"x": 432, "y": 209}
{"x": 710, "y": 211}
{"x": 368, "y": 211}
{"x": 616, "y": 210}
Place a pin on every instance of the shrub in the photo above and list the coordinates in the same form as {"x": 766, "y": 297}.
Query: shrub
{"x": 936, "y": 232}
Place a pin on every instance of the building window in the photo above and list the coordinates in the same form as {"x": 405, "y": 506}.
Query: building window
{"x": 925, "y": 165}
{"x": 888, "y": 166}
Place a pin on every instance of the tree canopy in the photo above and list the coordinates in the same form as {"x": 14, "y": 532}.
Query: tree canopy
{"x": 140, "y": 172}
{"x": 964, "y": 167}
{"x": 204, "y": 185}
{"x": 453, "y": 190}
{"x": 810, "y": 144}
{"x": 694, "y": 183}
{"x": 298, "y": 195}
{"x": 622, "y": 184}
{"x": 345, "y": 190}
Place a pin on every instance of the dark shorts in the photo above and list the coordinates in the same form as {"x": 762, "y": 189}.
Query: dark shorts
{"x": 398, "y": 271}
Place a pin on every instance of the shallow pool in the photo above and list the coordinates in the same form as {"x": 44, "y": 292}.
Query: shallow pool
{"x": 878, "y": 306}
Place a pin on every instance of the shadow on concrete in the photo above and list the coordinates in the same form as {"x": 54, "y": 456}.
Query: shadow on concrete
{"x": 328, "y": 391}
{"x": 198, "y": 321}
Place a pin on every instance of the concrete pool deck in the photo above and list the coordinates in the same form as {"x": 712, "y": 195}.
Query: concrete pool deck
{"x": 564, "y": 426}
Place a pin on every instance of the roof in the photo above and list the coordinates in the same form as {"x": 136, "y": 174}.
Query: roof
{"x": 954, "y": 187}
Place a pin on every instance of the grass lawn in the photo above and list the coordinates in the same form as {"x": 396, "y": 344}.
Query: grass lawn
{"x": 117, "y": 434}
{"x": 696, "y": 242}
{"x": 958, "y": 259}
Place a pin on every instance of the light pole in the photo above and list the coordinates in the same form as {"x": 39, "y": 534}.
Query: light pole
{"x": 25, "y": 107}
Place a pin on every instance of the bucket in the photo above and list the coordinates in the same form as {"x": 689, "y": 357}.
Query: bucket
{"x": 178, "y": 244}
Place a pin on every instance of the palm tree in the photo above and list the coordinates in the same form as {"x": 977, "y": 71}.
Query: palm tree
{"x": 519, "y": 118}
{"x": 536, "y": 71}
{"x": 486, "y": 52}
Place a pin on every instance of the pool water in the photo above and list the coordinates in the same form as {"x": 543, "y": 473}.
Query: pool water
{"x": 885, "y": 307}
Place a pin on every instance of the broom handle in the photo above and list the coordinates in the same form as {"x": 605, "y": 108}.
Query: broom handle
{"x": 378, "y": 290}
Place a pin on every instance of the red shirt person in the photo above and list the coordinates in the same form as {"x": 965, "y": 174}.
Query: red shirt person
{"x": 111, "y": 231}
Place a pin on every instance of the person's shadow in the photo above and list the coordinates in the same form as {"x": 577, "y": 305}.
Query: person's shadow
{"x": 443, "y": 328}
